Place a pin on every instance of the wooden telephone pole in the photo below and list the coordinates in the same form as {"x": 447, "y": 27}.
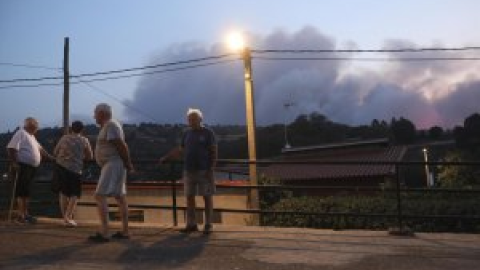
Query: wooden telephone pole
{"x": 66, "y": 88}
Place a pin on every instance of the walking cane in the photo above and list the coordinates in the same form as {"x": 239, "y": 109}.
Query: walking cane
{"x": 14, "y": 189}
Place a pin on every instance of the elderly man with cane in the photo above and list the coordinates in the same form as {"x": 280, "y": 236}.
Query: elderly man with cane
{"x": 25, "y": 154}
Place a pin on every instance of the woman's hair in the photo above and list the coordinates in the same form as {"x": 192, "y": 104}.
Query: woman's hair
{"x": 77, "y": 126}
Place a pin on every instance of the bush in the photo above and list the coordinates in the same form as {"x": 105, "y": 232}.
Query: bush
{"x": 415, "y": 204}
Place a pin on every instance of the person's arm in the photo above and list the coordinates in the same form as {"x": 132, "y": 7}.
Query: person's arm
{"x": 13, "y": 156}
{"x": 124, "y": 153}
{"x": 46, "y": 155}
{"x": 213, "y": 156}
{"x": 174, "y": 153}
{"x": 88, "y": 153}
{"x": 12, "y": 149}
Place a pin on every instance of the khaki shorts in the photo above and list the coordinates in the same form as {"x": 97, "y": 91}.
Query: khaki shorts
{"x": 198, "y": 183}
{"x": 112, "y": 179}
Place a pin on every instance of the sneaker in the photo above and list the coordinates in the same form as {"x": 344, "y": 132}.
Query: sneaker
{"x": 70, "y": 223}
{"x": 30, "y": 219}
{"x": 189, "y": 229}
{"x": 207, "y": 229}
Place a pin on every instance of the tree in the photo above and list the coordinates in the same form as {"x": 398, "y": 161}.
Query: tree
{"x": 403, "y": 130}
{"x": 458, "y": 176}
{"x": 435, "y": 132}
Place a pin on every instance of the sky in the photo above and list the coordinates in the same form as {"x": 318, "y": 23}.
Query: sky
{"x": 116, "y": 34}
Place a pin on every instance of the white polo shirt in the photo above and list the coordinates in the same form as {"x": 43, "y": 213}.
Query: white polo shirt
{"x": 27, "y": 146}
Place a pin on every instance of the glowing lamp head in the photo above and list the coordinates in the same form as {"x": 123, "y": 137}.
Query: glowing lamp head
{"x": 236, "y": 41}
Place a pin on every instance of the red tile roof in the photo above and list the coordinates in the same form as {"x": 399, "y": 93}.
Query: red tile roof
{"x": 317, "y": 172}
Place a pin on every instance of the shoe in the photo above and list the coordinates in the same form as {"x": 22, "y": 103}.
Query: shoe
{"x": 98, "y": 238}
{"x": 207, "y": 229}
{"x": 20, "y": 220}
{"x": 70, "y": 223}
{"x": 189, "y": 229}
{"x": 120, "y": 236}
{"x": 30, "y": 219}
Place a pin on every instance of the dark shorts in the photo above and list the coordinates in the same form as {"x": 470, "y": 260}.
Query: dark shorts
{"x": 25, "y": 176}
{"x": 69, "y": 183}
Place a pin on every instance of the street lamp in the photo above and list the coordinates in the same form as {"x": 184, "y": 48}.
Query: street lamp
{"x": 287, "y": 105}
{"x": 237, "y": 43}
{"x": 427, "y": 173}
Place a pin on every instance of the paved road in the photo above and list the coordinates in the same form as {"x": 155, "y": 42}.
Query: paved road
{"x": 50, "y": 246}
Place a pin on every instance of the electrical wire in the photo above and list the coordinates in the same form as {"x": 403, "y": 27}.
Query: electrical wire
{"x": 125, "y": 104}
{"x": 372, "y": 59}
{"x": 122, "y": 76}
{"x": 28, "y": 66}
{"x": 120, "y": 70}
{"x": 432, "y": 49}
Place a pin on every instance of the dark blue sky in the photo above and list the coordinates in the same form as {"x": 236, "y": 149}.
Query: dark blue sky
{"x": 113, "y": 34}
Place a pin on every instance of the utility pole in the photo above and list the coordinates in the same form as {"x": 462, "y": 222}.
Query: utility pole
{"x": 251, "y": 125}
{"x": 66, "y": 87}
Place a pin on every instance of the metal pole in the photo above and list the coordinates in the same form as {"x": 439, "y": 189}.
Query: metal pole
{"x": 251, "y": 125}
{"x": 66, "y": 87}
{"x": 174, "y": 195}
{"x": 427, "y": 173}
{"x": 399, "y": 200}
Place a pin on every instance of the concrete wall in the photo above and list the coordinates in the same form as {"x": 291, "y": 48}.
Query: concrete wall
{"x": 162, "y": 196}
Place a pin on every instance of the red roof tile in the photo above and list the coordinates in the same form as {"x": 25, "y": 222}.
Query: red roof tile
{"x": 316, "y": 172}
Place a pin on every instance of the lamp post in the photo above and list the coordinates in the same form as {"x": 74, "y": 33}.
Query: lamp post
{"x": 237, "y": 43}
{"x": 286, "y": 105}
{"x": 427, "y": 173}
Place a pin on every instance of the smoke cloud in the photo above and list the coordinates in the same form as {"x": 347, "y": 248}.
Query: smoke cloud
{"x": 426, "y": 92}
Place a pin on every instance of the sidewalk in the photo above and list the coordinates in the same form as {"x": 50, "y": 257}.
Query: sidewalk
{"x": 48, "y": 245}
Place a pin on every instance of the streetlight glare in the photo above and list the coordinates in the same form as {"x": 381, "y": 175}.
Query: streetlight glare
{"x": 236, "y": 41}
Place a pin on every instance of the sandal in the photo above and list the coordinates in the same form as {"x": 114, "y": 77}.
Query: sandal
{"x": 189, "y": 229}
{"x": 120, "y": 235}
{"x": 98, "y": 238}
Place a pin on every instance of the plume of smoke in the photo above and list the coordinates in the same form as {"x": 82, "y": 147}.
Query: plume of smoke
{"x": 427, "y": 92}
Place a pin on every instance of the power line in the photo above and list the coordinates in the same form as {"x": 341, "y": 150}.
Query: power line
{"x": 122, "y": 76}
{"x": 119, "y": 70}
{"x": 125, "y": 104}
{"x": 432, "y": 49}
{"x": 101, "y": 73}
{"x": 27, "y": 66}
{"x": 372, "y": 59}
{"x": 162, "y": 71}
{"x": 154, "y": 66}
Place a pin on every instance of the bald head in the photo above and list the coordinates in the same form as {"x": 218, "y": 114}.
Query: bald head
{"x": 30, "y": 125}
{"x": 103, "y": 113}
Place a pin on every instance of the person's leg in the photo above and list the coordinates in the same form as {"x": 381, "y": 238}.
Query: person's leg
{"x": 72, "y": 205}
{"x": 63, "y": 200}
{"x": 191, "y": 219}
{"x": 102, "y": 208}
{"x": 123, "y": 208}
{"x": 208, "y": 209}
{"x": 22, "y": 206}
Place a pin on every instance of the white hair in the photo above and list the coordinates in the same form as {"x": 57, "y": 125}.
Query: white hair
{"x": 104, "y": 107}
{"x": 30, "y": 121}
{"x": 191, "y": 111}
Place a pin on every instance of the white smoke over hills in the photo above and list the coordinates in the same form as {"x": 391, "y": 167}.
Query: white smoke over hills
{"x": 426, "y": 92}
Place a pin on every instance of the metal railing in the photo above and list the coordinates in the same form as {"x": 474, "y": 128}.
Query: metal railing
{"x": 397, "y": 189}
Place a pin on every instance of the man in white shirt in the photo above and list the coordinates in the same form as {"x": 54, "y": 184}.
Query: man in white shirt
{"x": 25, "y": 154}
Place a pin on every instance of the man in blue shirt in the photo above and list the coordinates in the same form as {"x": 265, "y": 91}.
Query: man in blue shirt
{"x": 199, "y": 149}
